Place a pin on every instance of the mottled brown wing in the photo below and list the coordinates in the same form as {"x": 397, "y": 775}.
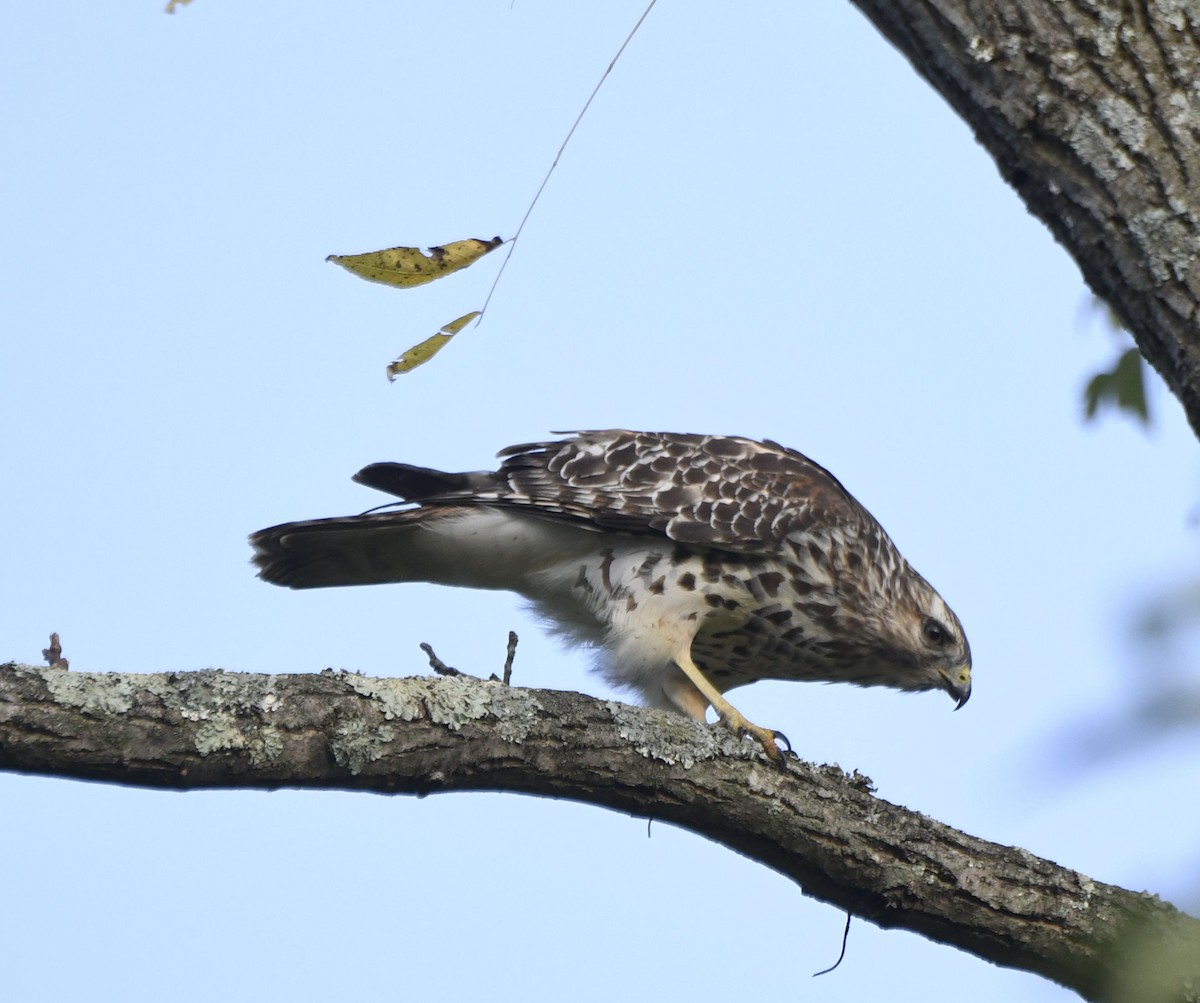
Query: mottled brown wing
{"x": 720, "y": 491}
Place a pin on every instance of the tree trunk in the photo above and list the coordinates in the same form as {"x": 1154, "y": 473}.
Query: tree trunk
{"x": 816, "y": 825}
{"x": 1090, "y": 109}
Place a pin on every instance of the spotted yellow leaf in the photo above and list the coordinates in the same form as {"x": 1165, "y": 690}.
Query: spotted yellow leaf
{"x": 418, "y": 355}
{"x": 406, "y": 267}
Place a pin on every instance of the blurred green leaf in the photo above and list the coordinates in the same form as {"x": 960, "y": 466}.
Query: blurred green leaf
{"x": 1122, "y": 387}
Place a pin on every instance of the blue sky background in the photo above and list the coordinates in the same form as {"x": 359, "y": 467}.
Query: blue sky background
{"x": 766, "y": 225}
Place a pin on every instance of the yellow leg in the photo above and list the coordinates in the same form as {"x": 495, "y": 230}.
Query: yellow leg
{"x": 730, "y": 716}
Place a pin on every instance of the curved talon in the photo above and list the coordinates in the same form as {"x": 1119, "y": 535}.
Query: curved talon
{"x": 790, "y": 753}
{"x": 765, "y": 737}
{"x": 769, "y": 738}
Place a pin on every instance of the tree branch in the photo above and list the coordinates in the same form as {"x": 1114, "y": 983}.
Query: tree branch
{"x": 1089, "y": 108}
{"x": 816, "y": 825}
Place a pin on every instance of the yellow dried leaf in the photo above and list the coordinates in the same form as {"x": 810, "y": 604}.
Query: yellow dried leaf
{"x": 418, "y": 355}
{"x": 410, "y": 266}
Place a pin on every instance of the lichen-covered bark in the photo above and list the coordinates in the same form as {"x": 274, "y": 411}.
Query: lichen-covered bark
{"x": 818, "y": 826}
{"x": 1092, "y": 113}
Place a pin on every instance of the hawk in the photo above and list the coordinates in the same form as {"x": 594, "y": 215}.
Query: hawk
{"x": 693, "y": 563}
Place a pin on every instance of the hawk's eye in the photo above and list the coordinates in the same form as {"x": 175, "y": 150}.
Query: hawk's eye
{"x": 935, "y": 633}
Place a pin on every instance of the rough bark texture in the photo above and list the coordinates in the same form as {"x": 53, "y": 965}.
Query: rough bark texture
{"x": 816, "y": 825}
{"x": 1092, "y": 113}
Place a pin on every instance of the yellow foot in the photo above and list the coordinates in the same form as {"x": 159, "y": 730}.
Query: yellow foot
{"x": 729, "y": 715}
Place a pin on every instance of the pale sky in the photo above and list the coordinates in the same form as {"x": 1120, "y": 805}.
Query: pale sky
{"x": 766, "y": 225}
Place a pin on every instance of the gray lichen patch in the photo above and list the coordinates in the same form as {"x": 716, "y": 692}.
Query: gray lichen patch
{"x": 516, "y": 712}
{"x": 221, "y": 732}
{"x": 92, "y": 693}
{"x": 1125, "y": 120}
{"x": 671, "y": 738}
{"x": 198, "y": 695}
{"x": 1097, "y": 148}
{"x": 355, "y": 744}
{"x": 455, "y": 700}
{"x": 1106, "y": 33}
{"x": 220, "y": 702}
{"x": 218, "y": 733}
{"x": 452, "y": 701}
{"x": 266, "y": 746}
{"x": 1179, "y": 13}
{"x": 398, "y": 699}
{"x": 1184, "y": 109}
{"x": 982, "y": 51}
{"x": 1170, "y": 243}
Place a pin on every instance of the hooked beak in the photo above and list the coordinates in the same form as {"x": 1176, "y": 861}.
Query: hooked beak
{"x": 958, "y": 685}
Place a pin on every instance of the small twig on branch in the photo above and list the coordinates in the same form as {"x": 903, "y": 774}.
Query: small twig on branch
{"x": 435, "y": 663}
{"x": 508, "y": 660}
{"x": 442, "y": 669}
{"x": 53, "y": 654}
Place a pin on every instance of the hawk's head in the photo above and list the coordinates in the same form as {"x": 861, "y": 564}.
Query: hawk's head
{"x": 924, "y": 633}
